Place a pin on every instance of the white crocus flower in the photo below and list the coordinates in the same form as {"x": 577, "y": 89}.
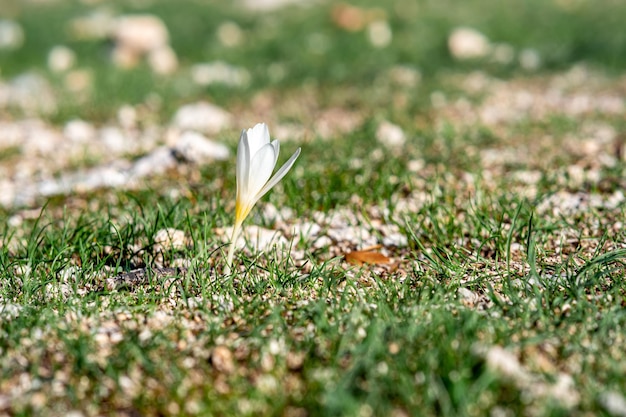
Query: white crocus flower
{"x": 256, "y": 159}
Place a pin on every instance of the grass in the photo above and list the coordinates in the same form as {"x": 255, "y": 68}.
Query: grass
{"x": 507, "y": 297}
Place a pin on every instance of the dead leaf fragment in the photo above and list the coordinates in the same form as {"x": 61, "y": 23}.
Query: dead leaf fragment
{"x": 360, "y": 257}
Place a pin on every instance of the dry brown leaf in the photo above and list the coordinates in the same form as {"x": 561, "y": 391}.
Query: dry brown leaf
{"x": 360, "y": 257}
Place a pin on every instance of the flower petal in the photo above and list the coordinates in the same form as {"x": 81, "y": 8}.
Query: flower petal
{"x": 278, "y": 176}
{"x": 243, "y": 164}
{"x": 261, "y": 168}
{"x": 276, "y": 145}
{"x": 258, "y": 136}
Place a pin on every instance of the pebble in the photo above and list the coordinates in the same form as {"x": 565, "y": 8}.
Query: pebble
{"x": 140, "y": 33}
{"x": 202, "y": 117}
{"x": 156, "y": 162}
{"x": 230, "y": 34}
{"x": 61, "y": 58}
{"x": 390, "y": 135}
{"x": 468, "y": 297}
{"x": 11, "y": 34}
{"x": 467, "y": 43}
{"x": 220, "y": 72}
{"x": 138, "y": 36}
{"x": 379, "y": 33}
{"x": 93, "y": 26}
{"x": 195, "y": 147}
{"x": 271, "y": 5}
{"x": 79, "y": 131}
{"x": 170, "y": 238}
{"x": 614, "y": 403}
{"x": 163, "y": 60}
{"x": 306, "y": 231}
{"x": 114, "y": 140}
{"x": 222, "y": 360}
{"x": 529, "y": 59}
{"x": 322, "y": 242}
{"x": 31, "y": 93}
{"x": 10, "y": 311}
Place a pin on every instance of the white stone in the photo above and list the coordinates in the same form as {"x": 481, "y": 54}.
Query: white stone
{"x": 79, "y": 131}
{"x": 163, "y": 60}
{"x": 506, "y": 363}
{"x": 219, "y": 72}
{"x": 127, "y": 116}
{"x": 170, "y": 238}
{"x": 468, "y": 43}
{"x": 114, "y": 140}
{"x": 124, "y": 57}
{"x": 230, "y": 34}
{"x": 305, "y": 231}
{"x": 529, "y": 59}
{"x": 390, "y": 134}
{"x": 140, "y": 33}
{"x": 11, "y": 34}
{"x": 61, "y": 58}
{"x": 272, "y": 5}
{"x": 614, "y": 403}
{"x": 202, "y": 117}
{"x": 156, "y": 162}
{"x": 396, "y": 239}
{"x": 94, "y": 26}
{"x": 503, "y": 53}
{"x": 379, "y": 33}
{"x": 195, "y": 147}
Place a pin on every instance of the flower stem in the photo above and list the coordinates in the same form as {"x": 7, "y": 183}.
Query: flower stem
{"x": 231, "y": 249}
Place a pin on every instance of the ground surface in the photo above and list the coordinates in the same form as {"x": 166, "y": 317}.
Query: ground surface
{"x": 450, "y": 242}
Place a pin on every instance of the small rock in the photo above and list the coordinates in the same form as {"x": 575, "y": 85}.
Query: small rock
{"x": 295, "y": 360}
{"x": 222, "y": 360}
{"x": 61, "y": 58}
{"x": 271, "y": 5}
{"x": 404, "y": 76}
{"x": 163, "y": 60}
{"x": 11, "y": 34}
{"x": 127, "y": 117}
{"x": 143, "y": 36}
{"x": 194, "y": 147}
{"x": 272, "y": 213}
{"x": 379, "y": 33}
{"x": 503, "y": 53}
{"x": 32, "y": 93}
{"x": 170, "y": 238}
{"x": 79, "y": 131}
{"x": 505, "y": 363}
{"x": 468, "y": 297}
{"x": 219, "y": 72}
{"x": 306, "y": 231}
{"x": 529, "y": 59}
{"x": 140, "y": 33}
{"x": 78, "y": 80}
{"x": 322, "y": 242}
{"x": 396, "y": 239}
{"x": 202, "y": 117}
{"x": 125, "y": 57}
{"x": 390, "y": 134}
{"x": 94, "y": 26}
{"x": 467, "y": 43}
{"x": 230, "y": 34}
{"x": 156, "y": 162}
{"x": 114, "y": 140}
{"x": 614, "y": 403}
